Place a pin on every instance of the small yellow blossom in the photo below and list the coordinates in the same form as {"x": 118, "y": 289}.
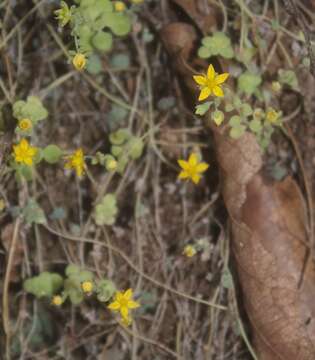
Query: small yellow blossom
{"x": 79, "y": 61}
{"x": 111, "y": 165}
{"x": 119, "y": 6}
{"x": 25, "y": 124}
{"x": 210, "y": 83}
{"x": 192, "y": 168}
{"x": 63, "y": 15}
{"x": 87, "y": 286}
{"x": 24, "y": 153}
{"x": 272, "y": 116}
{"x": 123, "y": 303}
{"x": 76, "y": 162}
{"x": 189, "y": 251}
{"x": 57, "y": 300}
{"x": 276, "y": 87}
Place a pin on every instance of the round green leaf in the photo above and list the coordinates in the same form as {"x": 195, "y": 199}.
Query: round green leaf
{"x": 105, "y": 289}
{"x": 102, "y": 41}
{"x": 204, "y": 52}
{"x": 120, "y": 24}
{"x": 94, "y": 65}
{"x": 249, "y": 82}
{"x": 235, "y": 121}
{"x": 237, "y": 132}
{"x": 52, "y": 154}
{"x": 229, "y": 107}
{"x": 246, "y": 110}
{"x": 135, "y": 147}
{"x": 255, "y": 126}
{"x": 119, "y": 137}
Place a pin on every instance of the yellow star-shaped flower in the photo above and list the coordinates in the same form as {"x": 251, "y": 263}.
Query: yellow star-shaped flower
{"x": 210, "y": 83}
{"x": 273, "y": 116}
{"x": 119, "y": 6}
{"x": 79, "y": 61}
{"x": 87, "y": 287}
{"x": 64, "y": 14}
{"x": 76, "y": 162}
{"x": 189, "y": 251}
{"x": 24, "y": 153}
{"x": 192, "y": 168}
{"x": 57, "y": 300}
{"x": 123, "y": 302}
{"x": 25, "y": 124}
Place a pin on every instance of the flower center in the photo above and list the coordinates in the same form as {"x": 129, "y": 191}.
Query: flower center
{"x": 124, "y": 302}
{"x": 210, "y": 83}
{"x": 191, "y": 170}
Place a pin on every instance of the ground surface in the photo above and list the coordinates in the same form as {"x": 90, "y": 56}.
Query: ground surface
{"x": 158, "y": 214}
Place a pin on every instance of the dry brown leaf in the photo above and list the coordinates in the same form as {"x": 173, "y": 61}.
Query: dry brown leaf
{"x": 205, "y": 17}
{"x": 269, "y": 237}
{"x": 269, "y": 244}
{"x": 239, "y": 161}
{"x": 179, "y": 38}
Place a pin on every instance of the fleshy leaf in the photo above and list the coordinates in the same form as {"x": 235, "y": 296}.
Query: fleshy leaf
{"x": 44, "y": 285}
{"x": 106, "y": 211}
{"x": 105, "y": 289}
{"x": 249, "y": 82}
{"x": 32, "y": 109}
{"x": 201, "y": 109}
{"x": 217, "y": 44}
{"x": 33, "y": 213}
{"x": 52, "y": 154}
{"x": 237, "y": 132}
{"x": 102, "y": 41}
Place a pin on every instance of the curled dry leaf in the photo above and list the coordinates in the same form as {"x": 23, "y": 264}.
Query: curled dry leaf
{"x": 269, "y": 244}
{"x": 178, "y": 39}
{"x": 205, "y": 17}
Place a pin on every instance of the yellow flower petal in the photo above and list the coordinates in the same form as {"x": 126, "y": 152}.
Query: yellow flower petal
{"x": 196, "y": 178}
{"x": 28, "y": 161}
{"x": 183, "y": 164}
{"x": 124, "y": 311}
{"x": 79, "y": 61}
{"x": 24, "y": 152}
{"x": 219, "y": 79}
{"x": 16, "y": 150}
{"x": 119, "y": 296}
{"x": 217, "y": 91}
{"x": 183, "y": 175}
{"x": 133, "y": 304}
{"x": 202, "y": 167}
{"x": 24, "y": 145}
{"x": 193, "y": 160}
{"x": 211, "y": 72}
{"x": 76, "y": 161}
{"x": 204, "y": 93}
{"x": 114, "y": 306}
{"x": 128, "y": 294}
{"x": 32, "y": 151}
{"x": 200, "y": 79}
